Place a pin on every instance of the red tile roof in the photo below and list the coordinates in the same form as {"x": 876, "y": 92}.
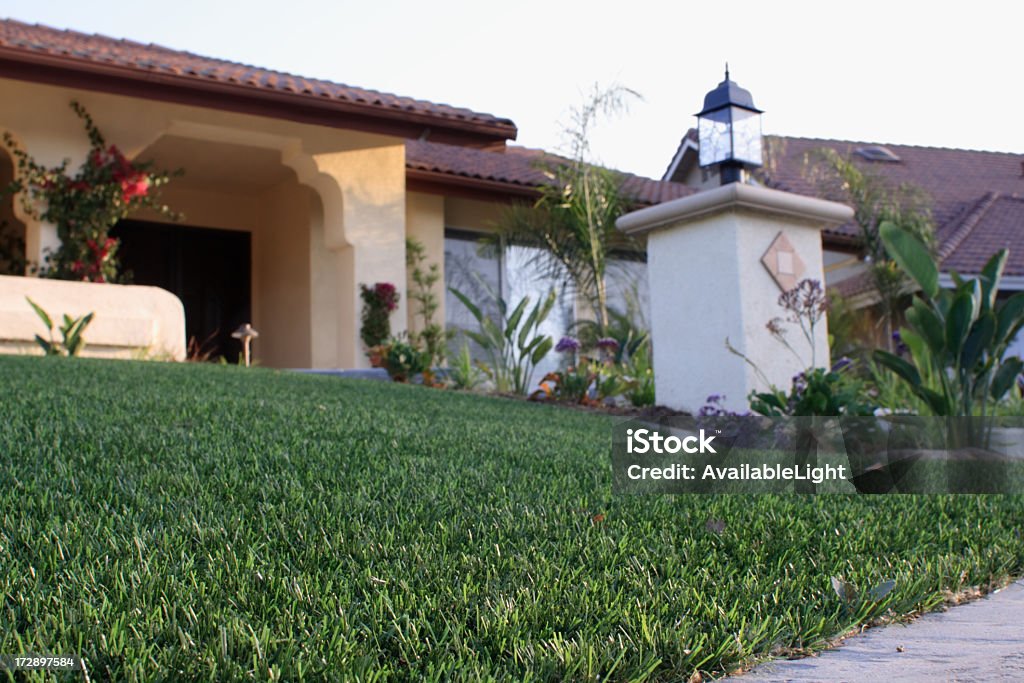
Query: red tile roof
{"x": 975, "y": 197}
{"x": 954, "y": 179}
{"x": 71, "y": 50}
{"x": 997, "y": 222}
{"x": 521, "y": 167}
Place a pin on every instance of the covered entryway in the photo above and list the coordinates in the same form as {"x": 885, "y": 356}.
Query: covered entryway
{"x": 208, "y": 269}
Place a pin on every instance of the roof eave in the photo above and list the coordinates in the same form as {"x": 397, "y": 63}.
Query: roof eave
{"x": 120, "y": 80}
{"x": 439, "y": 182}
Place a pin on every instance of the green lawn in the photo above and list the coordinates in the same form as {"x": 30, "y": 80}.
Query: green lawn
{"x": 212, "y": 523}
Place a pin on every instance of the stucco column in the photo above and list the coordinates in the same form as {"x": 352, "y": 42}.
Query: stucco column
{"x": 40, "y": 237}
{"x": 359, "y": 240}
{"x": 717, "y": 262}
{"x": 40, "y": 241}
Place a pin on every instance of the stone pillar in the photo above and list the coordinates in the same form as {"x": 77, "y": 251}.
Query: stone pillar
{"x": 717, "y": 262}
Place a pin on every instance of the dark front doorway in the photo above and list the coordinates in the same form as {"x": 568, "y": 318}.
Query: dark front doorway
{"x": 209, "y": 270}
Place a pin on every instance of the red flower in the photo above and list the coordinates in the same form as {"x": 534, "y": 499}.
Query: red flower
{"x": 134, "y": 187}
{"x": 386, "y": 295}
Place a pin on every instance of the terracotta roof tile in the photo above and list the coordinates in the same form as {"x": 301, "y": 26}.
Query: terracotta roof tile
{"x": 523, "y": 167}
{"x": 975, "y": 196}
{"x": 953, "y": 179}
{"x": 84, "y": 49}
{"x": 998, "y": 223}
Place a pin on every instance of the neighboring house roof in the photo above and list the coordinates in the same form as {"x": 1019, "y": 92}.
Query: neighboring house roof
{"x": 517, "y": 170}
{"x": 976, "y": 198}
{"x": 44, "y": 54}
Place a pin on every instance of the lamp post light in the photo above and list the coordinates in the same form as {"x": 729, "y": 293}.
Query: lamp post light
{"x": 729, "y": 131}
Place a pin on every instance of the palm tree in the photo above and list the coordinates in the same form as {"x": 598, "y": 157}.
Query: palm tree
{"x": 572, "y": 225}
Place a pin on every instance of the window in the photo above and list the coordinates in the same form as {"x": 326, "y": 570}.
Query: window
{"x": 481, "y": 272}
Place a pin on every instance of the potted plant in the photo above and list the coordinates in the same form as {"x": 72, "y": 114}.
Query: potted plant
{"x": 379, "y": 302}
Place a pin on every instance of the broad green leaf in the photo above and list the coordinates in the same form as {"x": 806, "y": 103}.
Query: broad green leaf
{"x": 978, "y": 340}
{"x": 940, "y": 404}
{"x": 517, "y": 314}
{"x": 927, "y": 324}
{"x": 959, "y": 322}
{"x": 1006, "y": 376}
{"x": 492, "y": 330}
{"x": 542, "y": 350}
{"x": 48, "y": 348}
{"x": 976, "y": 299}
{"x": 912, "y": 256}
{"x": 919, "y": 349}
{"x": 528, "y": 327}
{"x": 901, "y": 367}
{"x": 480, "y": 339}
{"x": 41, "y": 313}
{"x": 470, "y": 306}
{"x": 1011, "y": 317}
{"x": 991, "y": 274}
{"x": 549, "y": 303}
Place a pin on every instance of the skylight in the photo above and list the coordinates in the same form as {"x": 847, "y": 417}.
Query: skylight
{"x": 878, "y": 153}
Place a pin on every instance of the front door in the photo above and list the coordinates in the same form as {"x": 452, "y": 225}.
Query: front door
{"x": 209, "y": 270}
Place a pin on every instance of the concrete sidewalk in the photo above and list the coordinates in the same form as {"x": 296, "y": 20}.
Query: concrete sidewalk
{"x": 980, "y": 641}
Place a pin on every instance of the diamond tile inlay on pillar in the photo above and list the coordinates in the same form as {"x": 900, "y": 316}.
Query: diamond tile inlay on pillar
{"x": 783, "y": 263}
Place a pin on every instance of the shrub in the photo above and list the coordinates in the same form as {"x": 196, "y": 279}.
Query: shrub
{"x": 463, "y": 372}
{"x": 957, "y": 338}
{"x": 84, "y": 207}
{"x": 404, "y": 360}
{"x": 71, "y": 332}
{"x": 379, "y": 302}
{"x": 514, "y": 345}
{"x": 638, "y": 367}
{"x": 817, "y": 391}
{"x": 432, "y": 337}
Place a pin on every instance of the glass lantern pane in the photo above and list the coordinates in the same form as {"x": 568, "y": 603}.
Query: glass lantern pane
{"x": 746, "y": 133}
{"x": 713, "y": 137}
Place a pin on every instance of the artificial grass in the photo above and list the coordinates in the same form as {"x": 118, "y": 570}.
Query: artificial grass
{"x": 186, "y": 522}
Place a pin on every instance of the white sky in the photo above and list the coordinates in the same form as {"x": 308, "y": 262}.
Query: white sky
{"x": 927, "y": 73}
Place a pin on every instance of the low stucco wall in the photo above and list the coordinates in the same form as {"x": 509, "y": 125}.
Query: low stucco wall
{"x": 129, "y": 322}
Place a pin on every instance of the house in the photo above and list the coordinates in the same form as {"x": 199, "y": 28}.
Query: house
{"x": 976, "y": 199}
{"x": 295, "y": 191}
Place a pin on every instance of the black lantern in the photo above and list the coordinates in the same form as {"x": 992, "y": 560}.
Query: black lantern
{"x": 729, "y": 131}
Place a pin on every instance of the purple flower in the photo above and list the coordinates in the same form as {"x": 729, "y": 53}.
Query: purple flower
{"x": 567, "y": 344}
{"x": 901, "y": 348}
{"x": 842, "y": 363}
{"x": 607, "y": 344}
{"x": 713, "y": 408}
